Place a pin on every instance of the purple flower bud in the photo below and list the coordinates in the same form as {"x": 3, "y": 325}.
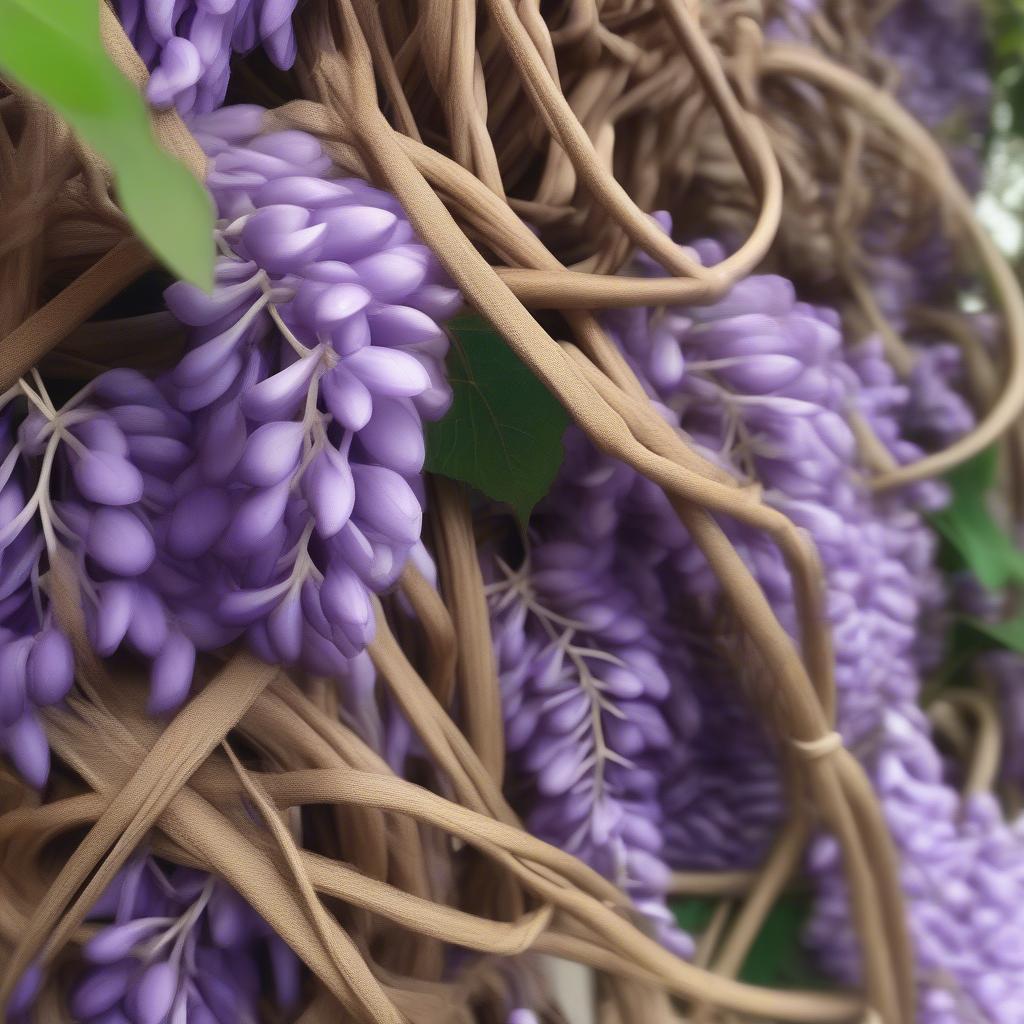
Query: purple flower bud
{"x": 256, "y": 519}
{"x": 272, "y": 454}
{"x": 388, "y": 372}
{"x": 25, "y": 990}
{"x": 394, "y": 437}
{"x": 147, "y": 628}
{"x": 101, "y": 434}
{"x": 27, "y": 746}
{"x": 151, "y": 997}
{"x": 180, "y": 68}
{"x": 50, "y": 669}
{"x": 384, "y": 499}
{"x": 279, "y": 396}
{"x": 197, "y": 522}
{"x": 344, "y": 599}
{"x": 101, "y": 990}
{"x": 171, "y": 677}
{"x": 347, "y": 398}
{"x": 13, "y": 672}
{"x": 118, "y": 941}
{"x": 108, "y": 478}
{"x": 119, "y": 542}
{"x": 284, "y": 628}
{"x": 113, "y": 616}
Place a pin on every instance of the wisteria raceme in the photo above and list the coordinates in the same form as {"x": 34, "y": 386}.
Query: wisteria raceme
{"x": 107, "y": 463}
{"x": 941, "y": 55}
{"x": 584, "y": 680}
{"x": 175, "y": 944}
{"x": 963, "y": 879}
{"x": 937, "y": 413}
{"x": 309, "y": 372}
{"x": 36, "y": 663}
{"x": 188, "y": 44}
{"x": 768, "y": 389}
{"x": 270, "y": 482}
{"x": 782, "y": 421}
{"x": 723, "y": 799}
{"x": 937, "y": 57}
{"x": 934, "y": 58}
{"x": 85, "y": 478}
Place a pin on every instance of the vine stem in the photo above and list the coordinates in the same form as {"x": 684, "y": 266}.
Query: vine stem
{"x": 801, "y": 62}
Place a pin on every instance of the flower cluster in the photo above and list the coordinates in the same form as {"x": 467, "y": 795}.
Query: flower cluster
{"x": 309, "y": 373}
{"x": 783, "y": 421}
{"x": 176, "y": 944}
{"x": 940, "y": 53}
{"x": 36, "y": 664}
{"x": 188, "y": 44}
{"x": 761, "y": 383}
{"x": 86, "y": 478}
{"x": 269, "y": 484}
{"x": 585, "y": 678}
{"x": 962, "y": 870}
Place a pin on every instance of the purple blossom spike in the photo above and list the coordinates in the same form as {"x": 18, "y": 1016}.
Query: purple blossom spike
{"x": 711, "y": 797}
{"x": 310, "y": 371}
{"x": 175, "y": 944}
{"x": 36, "y": 663}
{"x": 959, "y": 860}
{"x": 188, "y": 44}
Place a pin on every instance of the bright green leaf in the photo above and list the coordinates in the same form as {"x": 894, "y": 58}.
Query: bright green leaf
{"x": 969, "y": 528}
{"x": 71, "y": 18}
{"x": 53, "y": 48}
{"x": 503, "y": 433}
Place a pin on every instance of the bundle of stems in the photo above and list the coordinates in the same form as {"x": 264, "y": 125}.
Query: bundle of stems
{"x": 481, "y": 116}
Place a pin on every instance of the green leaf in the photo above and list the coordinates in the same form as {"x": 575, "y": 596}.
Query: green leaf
{"x": 53, "y": 48}
{"x": 1009, "y": 634}
{"x": 971, "y": 531}
{"x": 503, "y": 433}
{"x": 777, "y": 957}
{"x": 693, "y": 914}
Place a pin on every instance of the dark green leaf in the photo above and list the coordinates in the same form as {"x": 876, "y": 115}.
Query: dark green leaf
{"x": 693, "y": 915}
{"x": 503, "y": 433}
{"x": 777, "y": 957}
{"x": 1008, "y": 634}
{"x": 969, "y": 528}
{"x": 53, "y": 48}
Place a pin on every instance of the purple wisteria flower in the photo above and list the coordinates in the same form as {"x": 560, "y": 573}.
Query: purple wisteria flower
{"x": 270, "y": 483}
{"x": 86, "y": 477}
{"x": 585, "y": 676}
{"x": 963, "y": 878}
{"x": 767, "y": 387}
{"x": 36, "y": 663}
{"x": 188, "y": 44}
{"x": 309, "y": 373}
{"x": 176, "y": 945}
{"x": 761, "y": 383}
{"x": 940, "y": 51}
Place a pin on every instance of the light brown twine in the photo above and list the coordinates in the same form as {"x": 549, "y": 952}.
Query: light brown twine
{"x": 980, "y": 746}
{"x": 801, "y": 62}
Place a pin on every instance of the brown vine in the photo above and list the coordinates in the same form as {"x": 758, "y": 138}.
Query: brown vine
{"x": 476, "y": 115}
